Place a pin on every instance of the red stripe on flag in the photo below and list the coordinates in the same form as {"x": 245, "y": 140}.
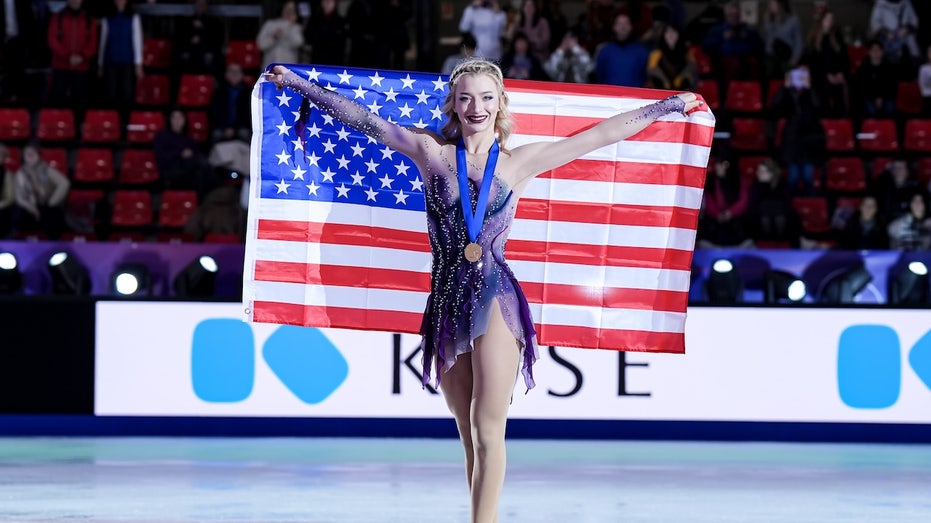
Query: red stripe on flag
{"x": 598, "y": 255}
{"x": 610, "y": 298}
{"x": 339, "y": 234}
{"x": 562, "y": 126}
{"x": 341, "y": 276}
{"x": 342, "y": 317}
{"x": 615, "y": 339}
{"x": 580, "y": 212}
{"x": 630, "y": 172}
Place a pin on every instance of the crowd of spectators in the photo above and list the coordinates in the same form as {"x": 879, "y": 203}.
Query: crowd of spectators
{"x": 806, "y": 73}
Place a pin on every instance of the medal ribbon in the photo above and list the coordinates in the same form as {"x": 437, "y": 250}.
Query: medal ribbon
{"x": 474, "y": 221}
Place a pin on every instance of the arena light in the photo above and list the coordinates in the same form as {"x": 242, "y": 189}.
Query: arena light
{"x": 844, "y": 285}
{"x": 68, "y": 275}
{"x": 11, "y": 280}
{"x": 723, "y": 284}
{"x": 780, "y": 286}
{"x": 197, "y": 279}
{"x": 909, "y": 285}
{"x": 131, "y": 280}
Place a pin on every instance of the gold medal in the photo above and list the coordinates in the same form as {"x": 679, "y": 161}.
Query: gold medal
{"x": 473, "y": 252}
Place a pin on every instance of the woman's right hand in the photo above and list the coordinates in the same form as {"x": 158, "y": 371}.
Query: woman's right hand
{"x": 280, "y": 75}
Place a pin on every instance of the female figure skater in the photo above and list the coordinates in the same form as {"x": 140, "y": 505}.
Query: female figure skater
{"x": 477, "y": 330}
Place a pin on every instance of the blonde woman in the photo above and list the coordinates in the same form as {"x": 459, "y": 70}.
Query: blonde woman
{"x": 477, "y": 330}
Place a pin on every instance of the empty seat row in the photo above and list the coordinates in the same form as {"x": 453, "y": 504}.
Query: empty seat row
{"x": 846, "y": 174}
{"x": 875, "y": 135}
{"x": 134, "y": 209}
{"x": 97, "y": 165}
{"x": 99, "y": 125}
{"x": 157, "y": 53}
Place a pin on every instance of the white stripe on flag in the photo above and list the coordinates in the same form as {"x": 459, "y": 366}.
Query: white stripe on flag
{"x": 632, "y": 151}
{"x": 613, "y": 193}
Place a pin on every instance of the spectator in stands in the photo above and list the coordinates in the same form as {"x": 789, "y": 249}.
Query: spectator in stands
{"x": 698, "y": 27}
{"x": 230, "y": 107}
{"x": 771, "y": 219}
{"x": 466, "y": 51}
{"x": 7, "y": 198}
{"x": 893, "y": 189}
{"x": 72, "y": 38}
{"x": 392, "y": 40}
{"x": 782, "y": 39}
{"x": 536, "y": 29}
{"x": 877, "y": 82}
{"x": 326, "y": 33}
{"x": 826, "y": 55}
{"x": 640, "y": 14}
{"x": 119, "y": 59}
{"x": 486, "y": 21}
{"x": 361, "y": 21}
{"x": 865, "y": 230}
{"x": 280, "y": 39}
{"x": 556, "y": 19}
{"x": 520, "y": 63}
{"x": 622, "y": 61}
{"x": 40, "y": 192}
{"x": 196, "y": 48}
{"x": 912, "y": 230}
{"x": 725, "y": 203}
{"x": 570, "y": 62}
{"x": 803, "y": 136}
{"x": 180, "y": 164}
{"x": 924, "y": 84}
{"x": 894, "y": 24}
{"x": 219, "y": 213}
{"x": 671, "y": 65}
{"x": 734, "y": 47}
{"x": 20, "y": 25}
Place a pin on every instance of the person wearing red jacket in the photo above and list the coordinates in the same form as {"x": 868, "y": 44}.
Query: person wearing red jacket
{"x": 72, "y": 39}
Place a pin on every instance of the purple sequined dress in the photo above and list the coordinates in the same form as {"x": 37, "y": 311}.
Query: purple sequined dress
{"x": 462, "y": 293}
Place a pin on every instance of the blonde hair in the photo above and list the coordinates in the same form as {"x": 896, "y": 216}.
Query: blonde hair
{"x": 504, "y": 122}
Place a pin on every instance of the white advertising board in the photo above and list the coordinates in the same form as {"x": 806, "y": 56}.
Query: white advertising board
{"x": 742, "y": 364}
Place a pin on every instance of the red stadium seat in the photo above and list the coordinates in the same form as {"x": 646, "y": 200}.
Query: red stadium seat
{"x": 137, "y": 167}
{"x": 744, "y": 96}
{"x": 923, "y": 171}
{"x": 245, "y": 53}
{"x": 195, "y": 90}
{"x": 156, "y": 53}
{"x": 153, "y": 90}
{"x": 855, "y": 55}
{"x": 703, "y": 60}
{"x": 848, "y": 202}
{"x": 845, "y": 175}
{"x": 839, "y": 134}
{"x": 15, "y": 124}
{"x": 813, "y": 212}
{"x": 879, "y": 165}
{"x": 101, "y": 126}
{"x": 131, "y": 208}
{"x": 748, "y": 134}
{"x": 56, "y": 157}
{"x": 708, "y": 89}
{"x": 143, "y": 125}
{"x": 918, "y": 135}
{"x": 55, "y": 125}
{"x": 176, "y": 207}
{"x": 198, "y": 126}
{"x": 81, "y": 208}
{"x": 878, "y": 135}
{"x": 908, "y": 98}
{"x": 93, "y": 166}
{"x": 774, "y": 85}
{"x": 13, "y": 159}
{"x": 747, "y": 166}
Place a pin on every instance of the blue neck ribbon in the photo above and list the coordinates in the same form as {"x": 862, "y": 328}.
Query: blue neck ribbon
{"x": 474, "y": 221}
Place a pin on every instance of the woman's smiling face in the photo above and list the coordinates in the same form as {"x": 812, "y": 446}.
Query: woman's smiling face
{"x": 477, "y": 102}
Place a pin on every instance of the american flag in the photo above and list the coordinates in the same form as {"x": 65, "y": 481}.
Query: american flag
{"x": 602, "y": 246}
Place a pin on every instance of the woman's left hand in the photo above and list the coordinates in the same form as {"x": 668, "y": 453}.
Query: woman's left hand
{"x": 691, "y": 101}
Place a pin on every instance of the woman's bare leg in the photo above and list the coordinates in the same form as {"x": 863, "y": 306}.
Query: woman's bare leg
{"x": 495, "y": 362}
{"x": 456, "y": 386}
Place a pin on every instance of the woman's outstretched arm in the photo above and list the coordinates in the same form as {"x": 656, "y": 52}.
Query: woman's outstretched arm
{"x": 535, "y": 158}
{"x": 410, "y": 142}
